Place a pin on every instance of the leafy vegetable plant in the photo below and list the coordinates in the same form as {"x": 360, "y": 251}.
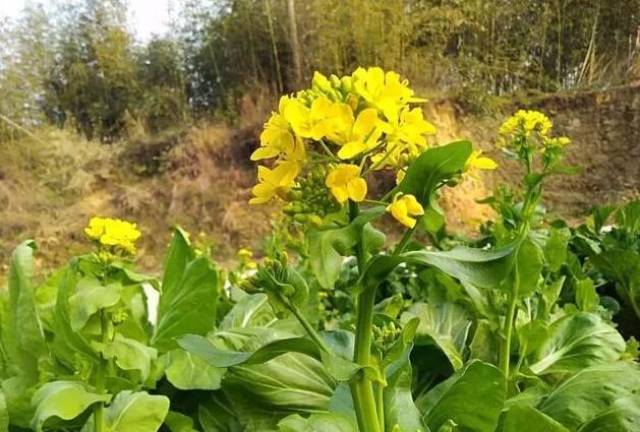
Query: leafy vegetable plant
{"x": 357, "y": 330}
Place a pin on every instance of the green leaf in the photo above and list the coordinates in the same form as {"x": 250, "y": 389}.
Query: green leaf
{"x": 291, "y": 383}
{"x": 22, "y": 332}
{"x": 524, "y": 418}
{"x": 18, "y": 391}
{"x": 90, "y": 297}
{"x": 591, "y": 392}
{"x": 4, "y": 414}
{"x": 622, "y": 416}
{"x": 472, "y": 398}
{"x": 188, "y": 371}
{"x": 555, "y": 249}
{"x": 251, "y": 311}
{"x": 178, "y": 422}
{"x": 216, "y": 414}
{"x": 575, "y": 342}
{"x": 330, "y": 245}
{"x": 129, "y": 354}
{"x": 62, "y": 399}
{"x": 587, "y": 298}
{"x": 321, "y": 422}
{"x": 478, "y": 267}
{"x": 133, "y": 411}
{"x": 432, "y": 168}
{"x": 205, "y": 349}
{"x": 178, "y": 256}
{"x": 64, "y": 333}
{"x": 529, "y": 263}
{"x": 189, "y": 305}
{"x": 445, "y": 325}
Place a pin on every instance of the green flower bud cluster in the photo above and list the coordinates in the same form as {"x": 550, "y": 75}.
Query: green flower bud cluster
{"x": 386, "y": 334}
{"x": 310, "y": 201}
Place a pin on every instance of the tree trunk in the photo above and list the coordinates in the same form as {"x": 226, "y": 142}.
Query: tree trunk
{"x": 295, "y": 43}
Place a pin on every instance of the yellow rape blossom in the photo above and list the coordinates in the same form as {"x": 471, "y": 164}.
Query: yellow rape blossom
{"x": 476, "y": 160}
{"x": 274, "y": 182}
{"x": 526, "y": 122}
{"x": 405, "y": 209}
{"x": 405, "y": 139}
{"x": 313, "y": 122}
{"x": 115, "y": 233}
{"x": 345, "y": 183}
{"x": 557, "y": 142}
{"x": 384, "y": 91}
{"x": 363, "y": 135}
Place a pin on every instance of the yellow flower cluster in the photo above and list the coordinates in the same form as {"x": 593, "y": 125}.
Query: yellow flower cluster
{"x": 405, "y": 209}
{"x": 359, "y": 119}
{"x": 113, "y": 233}
{"x": 526, "y": 122}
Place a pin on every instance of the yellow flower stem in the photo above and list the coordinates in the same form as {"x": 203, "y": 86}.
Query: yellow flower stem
{"x": 328, "y": 151}
{"x": 364, "y": 400}
{"x": 406, "y": 238}
{"x": 313, "y": 334}
{"x": 381, "y": 161}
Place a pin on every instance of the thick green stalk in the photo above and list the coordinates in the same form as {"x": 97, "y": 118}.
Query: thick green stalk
{"x": 361, "y": 386}
{"x": 364, "y": 400}
{"x": 505, "y": 352}
{"x": 101, "y": 374}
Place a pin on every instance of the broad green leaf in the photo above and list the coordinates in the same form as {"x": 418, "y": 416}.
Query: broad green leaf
{"x": 432, "y": 168}
{"x": 291, "y": 383}
{"x": 591, "y": 392}
{"x": 575, "y": 342}
{"x": 555, "y": 249}
{"x": 330, "y": 245}
{"x": 529, "y": 263}
{"x": 188, "y": 371}
{"x": 18, "y": 391}
{"x": 216, "y": 414}
{"x": 133, "y": 411}
{"x": 22, "y": 333}
{"x": 628, "y": 217}
{"x": 478, "y": 267}
{"x": 63, "y": 399}
{"x": 321, "y": 422}
{"x": 64, "y": 334}
{"x": 4, "y": 414}
{"x": 89, "y": 298}
{"x": 521, "y": 418}
{"x": 587, "y": 298}
{"x": 189, "y": 306}
{"x": 400, "y": 410}
{"x": 129, "y": 354}
{"x": 485, "y": 344}
{"x": 205, "y": 349}
{"x": 446, "y": 325}
{"x": 251, "y": 311}
{"x": 178, "y": 422}
{"x": 622, "y": 416}
{"x": 179, "y": 255}
{"x": 472, "y": 399}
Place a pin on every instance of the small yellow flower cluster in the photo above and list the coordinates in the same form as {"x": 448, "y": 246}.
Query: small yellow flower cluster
{"x": 526, "y": 122}
{"x": 113, "y": 233}
{"x": 357, "y": 119}
{"x": 405, "y": 209}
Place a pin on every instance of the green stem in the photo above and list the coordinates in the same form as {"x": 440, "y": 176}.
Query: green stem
{"x": 364, "y": 400}
{"x": 311, "y": 331}
{"x": 101, "y": 374}
{"x": 505, "y": 353}
{"x": 379, "y": 393}
{"x": 361, "y": 386}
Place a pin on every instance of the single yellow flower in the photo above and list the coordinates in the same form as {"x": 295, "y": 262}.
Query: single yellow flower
{"x": 345, "y": 183}
{"x": 274, "y": 182}
{"x": 362, "y": 136}
{"x": 115, "y": 233}
{"x": 476, "y": 160}
{"x": 405, "y": 208}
